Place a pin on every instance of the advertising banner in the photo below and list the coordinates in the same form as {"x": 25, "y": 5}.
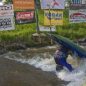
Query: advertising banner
{"x": 48, "y": 29}
{"x": 24, "y": 4}
{"x": 78, "y": 4}
{"x": 53, "y": 17}
{"x": 6, "y": 23}
{"x": 52, "y": 4}
{"x": 77, "y": 16}
{"x": 23, "y": 17}
{"x": 6, "y": 10}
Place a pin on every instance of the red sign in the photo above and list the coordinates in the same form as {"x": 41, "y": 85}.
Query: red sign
{"x": 25, "y": 16}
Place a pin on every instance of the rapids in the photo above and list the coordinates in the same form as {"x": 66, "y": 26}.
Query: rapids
{"x": 45, "y": 61}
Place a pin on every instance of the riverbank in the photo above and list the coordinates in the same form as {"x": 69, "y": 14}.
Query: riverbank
{"x": 6, "y": 47}
{"x": 13, "y": 73}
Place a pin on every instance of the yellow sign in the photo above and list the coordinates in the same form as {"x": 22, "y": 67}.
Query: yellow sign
{"x": 24, "y": 4}
{"x": 53, "y": 17}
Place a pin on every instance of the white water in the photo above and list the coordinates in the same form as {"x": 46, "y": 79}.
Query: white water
{"x": 76, "y": 78}
{"x": 1, "y": 3}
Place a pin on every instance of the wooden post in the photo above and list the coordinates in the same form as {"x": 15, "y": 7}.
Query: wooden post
{"x": 37, "y": 22}
{"x": 50, "y": 22}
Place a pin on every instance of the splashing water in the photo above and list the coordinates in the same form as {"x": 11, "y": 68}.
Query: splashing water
{"x": 76, "y": 77}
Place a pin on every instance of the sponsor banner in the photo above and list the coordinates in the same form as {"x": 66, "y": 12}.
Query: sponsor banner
{"x": 52, "y": 4}
{"x": 48, "y": 29}
{"x": 6, "y": 23}
{"x": 53, "y": 17}
{"x": 78, "y": 3}
{"x": 24, "y": 4}
{"x": 23, "y": 17}
{"x": 6, "y": 10}
{"x": 77, "y": 16}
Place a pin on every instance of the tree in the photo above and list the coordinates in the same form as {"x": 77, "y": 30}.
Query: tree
{"x": 7, "y": 1}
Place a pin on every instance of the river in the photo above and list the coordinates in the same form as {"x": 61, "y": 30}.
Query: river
{"x": 37, "y": 67}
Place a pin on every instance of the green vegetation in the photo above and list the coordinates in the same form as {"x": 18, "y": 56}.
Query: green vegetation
{"x": 23, "y": 32}
{"x": 72, "y": 31}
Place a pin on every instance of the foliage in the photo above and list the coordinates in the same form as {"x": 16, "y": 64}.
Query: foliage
{"x": 7, "y": 1}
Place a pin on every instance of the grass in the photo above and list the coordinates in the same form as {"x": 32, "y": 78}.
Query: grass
{"x": 23, "y": 32}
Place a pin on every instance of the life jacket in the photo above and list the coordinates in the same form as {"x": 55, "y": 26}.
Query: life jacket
{"x": 61, "y": 53}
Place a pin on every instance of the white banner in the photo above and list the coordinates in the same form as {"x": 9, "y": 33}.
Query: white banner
{"x": 43, "y": 28}
{"x": 6, "y": 10}
{"x": 52, "y": 4}
{"x": 78, "y": 4}
{"x": 77, "y": 16}
{"x": 6, "y": 23}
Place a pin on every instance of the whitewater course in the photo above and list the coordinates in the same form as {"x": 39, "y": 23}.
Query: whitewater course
{"x": 36, "y": 67}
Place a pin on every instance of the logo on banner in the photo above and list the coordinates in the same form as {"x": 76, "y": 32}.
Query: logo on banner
{"x": 52, "y": 4}
{"x": 55, "y": 3}
{"x": 77, "y": 16}
{"x": 53, "y": 17}
{"x": 23, "y": 17}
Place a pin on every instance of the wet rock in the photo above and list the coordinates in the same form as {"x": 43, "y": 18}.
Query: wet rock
{"x": 13, "y": 73}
